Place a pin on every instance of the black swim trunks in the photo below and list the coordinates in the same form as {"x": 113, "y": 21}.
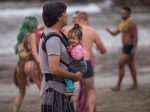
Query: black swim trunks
{"x": 127, "y": 49}
{"x": 90, "y": 72}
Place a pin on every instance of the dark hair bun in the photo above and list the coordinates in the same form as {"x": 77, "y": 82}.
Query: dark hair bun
{"x": 77, "y": 27}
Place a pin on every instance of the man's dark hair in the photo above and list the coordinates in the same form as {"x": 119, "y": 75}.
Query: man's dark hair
{"x": 127, "y": 9}
{"x": 51, "y": 12}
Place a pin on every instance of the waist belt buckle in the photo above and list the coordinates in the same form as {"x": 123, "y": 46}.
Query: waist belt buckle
{"x": 47, "y": 77}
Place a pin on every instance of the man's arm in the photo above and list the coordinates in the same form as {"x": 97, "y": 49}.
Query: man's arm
{"x": 56, "y": 69}
{"x": 135, "y": 37}
{"x": 116, "y": 32}
{"x": 99, "y": 44}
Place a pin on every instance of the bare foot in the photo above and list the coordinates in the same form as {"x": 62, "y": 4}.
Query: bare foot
{"x": 134, "y": 87}
{"x": 69, "y": 94}
{"x": 116, "y": 89}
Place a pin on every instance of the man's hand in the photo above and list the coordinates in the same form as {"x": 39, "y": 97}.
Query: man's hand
{"x": 77, "y": 76}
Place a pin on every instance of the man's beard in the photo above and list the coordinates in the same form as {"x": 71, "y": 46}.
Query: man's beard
{"x": 124, "y": 18}
{"x": 64, "y": 24}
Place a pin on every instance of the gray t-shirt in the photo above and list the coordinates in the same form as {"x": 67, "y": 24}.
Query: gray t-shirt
{"x": 54, "y": 46}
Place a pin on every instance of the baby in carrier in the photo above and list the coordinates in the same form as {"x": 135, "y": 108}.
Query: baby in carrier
{"x": 77, "y": 53}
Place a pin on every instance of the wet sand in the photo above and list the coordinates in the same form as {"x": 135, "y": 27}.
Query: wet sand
{"x": 105, "y": 78}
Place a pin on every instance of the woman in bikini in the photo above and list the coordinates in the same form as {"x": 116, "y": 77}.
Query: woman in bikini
{"x": 27, "y": 69}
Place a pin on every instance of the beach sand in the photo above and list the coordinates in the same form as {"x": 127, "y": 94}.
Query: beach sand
{"x": 105, "y": 78}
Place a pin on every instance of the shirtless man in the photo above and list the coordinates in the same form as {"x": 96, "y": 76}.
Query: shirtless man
{"x": 129, "y": 39}
{"x": 90, "y": 37}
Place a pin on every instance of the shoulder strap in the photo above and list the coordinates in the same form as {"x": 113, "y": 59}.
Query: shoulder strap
{"x": 63, "y": 39}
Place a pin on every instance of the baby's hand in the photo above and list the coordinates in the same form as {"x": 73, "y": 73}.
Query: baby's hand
{"x": 69, "y": 49}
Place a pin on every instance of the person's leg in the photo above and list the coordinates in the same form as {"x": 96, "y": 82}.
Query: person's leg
{"x": 131, "y": 66}
{"x": 89, "y": 82}
{"x": 82, "y": 98}
{"x": 32, "y": 70}
{"x": 122, "y": 61}
{"x": 20, "y": 81}
{"x": 18, "y": 100}
{"x": 70, "y": 87}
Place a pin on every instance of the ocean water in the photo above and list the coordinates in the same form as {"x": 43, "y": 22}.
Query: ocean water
{"x": 11, "y": 17}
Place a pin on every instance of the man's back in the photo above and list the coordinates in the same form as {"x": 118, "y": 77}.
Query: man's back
{"x": 90, "y": 37}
